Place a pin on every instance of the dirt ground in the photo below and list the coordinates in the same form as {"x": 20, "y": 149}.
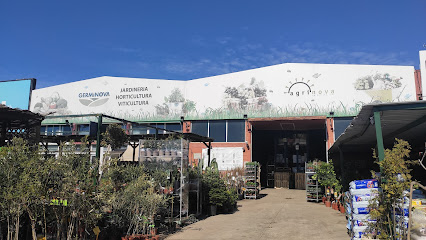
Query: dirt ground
{"x": 281, "y": 214}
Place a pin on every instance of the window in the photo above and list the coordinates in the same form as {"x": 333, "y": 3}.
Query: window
{"x": 236, "y": 130}
{"x": 139, "y": 130}
{"x": 53, "y": 130}
{"x": 43, "y": 130}
{"x": 66, "y": 130}
{"x": 221, "y": 130}
{"x": 174, "y": 127}
{"x": 201, "y": 128}
{"x": 340, "y": 124}
{"x": 83, "y": 129}
{"x": 217, "y": 130}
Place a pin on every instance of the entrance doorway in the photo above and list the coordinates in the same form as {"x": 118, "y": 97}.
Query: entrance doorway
{"x": 282, "y": 147}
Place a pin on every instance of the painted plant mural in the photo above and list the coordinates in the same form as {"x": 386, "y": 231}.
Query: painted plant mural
{"x": 54, "y": 104}
{"x": 251, "y": 97}
{"x": 175, "y": 104}
{"x": 379, "y": 86}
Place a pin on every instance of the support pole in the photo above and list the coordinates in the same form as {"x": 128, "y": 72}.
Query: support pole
{"x": 98, "y": 138}
{"x": 134, "y": 146}
{"x": 208, "y": 154}
{"x": 181, "y": 181}
{"x": 379, "y": 135}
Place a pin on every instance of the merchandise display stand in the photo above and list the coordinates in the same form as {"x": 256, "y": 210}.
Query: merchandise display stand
{"x": 313, "y": 190}
{"x": 271, "y": 175}
{"x": 252, "y": 180}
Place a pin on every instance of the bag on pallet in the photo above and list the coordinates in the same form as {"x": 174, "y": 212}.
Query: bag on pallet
{"x": 363, "y": 222}
{"x": 358, "y": 232}
{"x": 362, "y": 184}
{"x": 360, "y": 208}
{"x": 364, "y": 191}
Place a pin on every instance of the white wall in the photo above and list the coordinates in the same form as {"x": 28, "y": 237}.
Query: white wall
{"x": 276, "y": 91}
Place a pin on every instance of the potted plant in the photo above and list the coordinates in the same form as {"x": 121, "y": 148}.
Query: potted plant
{"x": 341, "y": 207}
{"x": 161, "y": 147}
{"x": 155, "y": 147}
{"x": 324, "y": 173}
{"x": 215, "y": 189}
{"x": 148, "y": 144}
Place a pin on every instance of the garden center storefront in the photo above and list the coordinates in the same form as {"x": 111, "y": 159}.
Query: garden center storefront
{"x": 281, "y": 116}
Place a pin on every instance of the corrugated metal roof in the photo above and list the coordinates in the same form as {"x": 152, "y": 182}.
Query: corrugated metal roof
{"x": 399, "y": 120}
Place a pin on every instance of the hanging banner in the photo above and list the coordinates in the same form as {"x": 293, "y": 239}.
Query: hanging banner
{"x": 227, "y": 158}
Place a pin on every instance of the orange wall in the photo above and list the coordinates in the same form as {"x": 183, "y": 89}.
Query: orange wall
{"x": 197, "y": 147}
{"x": 418, "y": 82}
{"x": 330, "y": 132}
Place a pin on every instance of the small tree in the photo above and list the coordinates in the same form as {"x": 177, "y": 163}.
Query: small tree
{"x": 214, "y": 187}
{"x": 324, "y": 173}
{"x": 395, "y": 179}
{"x": 22, "y": 186}
{"x": 12, "y": 162}
{"x": 131, "y": 198}
{"x": 115, "y": 136}
{"x": 76, "y": 174}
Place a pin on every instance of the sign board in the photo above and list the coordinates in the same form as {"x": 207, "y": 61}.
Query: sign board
{"x": 284, "y": 90}
{"x": 227, "y": 158}
{"x": 17, "y": 93}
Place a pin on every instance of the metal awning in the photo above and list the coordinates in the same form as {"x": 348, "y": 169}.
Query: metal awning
{"x": 385, "y": 121}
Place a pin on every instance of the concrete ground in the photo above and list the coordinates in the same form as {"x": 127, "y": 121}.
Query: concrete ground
{"x": 281, "y": 214}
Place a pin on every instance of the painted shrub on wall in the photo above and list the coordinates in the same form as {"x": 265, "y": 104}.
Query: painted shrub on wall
{"x": 275, "y": 91}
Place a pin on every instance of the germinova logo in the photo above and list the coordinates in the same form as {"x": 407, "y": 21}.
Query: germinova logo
{"x": 303, "y": 87}
{"x": 93, "y": 99}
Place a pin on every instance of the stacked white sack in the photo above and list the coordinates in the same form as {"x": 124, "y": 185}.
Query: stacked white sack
{"x": 361, "y": 192}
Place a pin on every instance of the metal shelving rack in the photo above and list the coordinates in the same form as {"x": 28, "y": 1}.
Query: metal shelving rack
{"x": 313, "y": 190}
{"x": 252, "y": 180}
{"x": 270, "y": 181}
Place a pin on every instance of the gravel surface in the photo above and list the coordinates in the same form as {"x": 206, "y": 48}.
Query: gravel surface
{"x": 281, "y": 214}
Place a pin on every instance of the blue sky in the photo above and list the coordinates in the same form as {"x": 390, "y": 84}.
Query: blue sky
{"x": 65, "y": 41}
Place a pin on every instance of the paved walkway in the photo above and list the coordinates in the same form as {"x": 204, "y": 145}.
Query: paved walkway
{"x": 281, "y": 214}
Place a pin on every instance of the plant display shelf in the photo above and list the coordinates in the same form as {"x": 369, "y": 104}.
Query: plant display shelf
{"x": 313, "y": 190}
{"x": 252, "y": 180}
{"x": 270, "y": 175}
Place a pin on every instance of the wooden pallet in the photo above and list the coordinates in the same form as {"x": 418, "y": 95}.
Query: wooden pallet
{"x": 281, "y": 179}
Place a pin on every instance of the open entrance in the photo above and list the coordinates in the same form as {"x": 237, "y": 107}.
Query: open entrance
{"x": 283, "y": 146}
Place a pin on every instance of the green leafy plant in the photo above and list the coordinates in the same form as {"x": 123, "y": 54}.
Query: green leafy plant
{"x": 324, "y": 173}
{"x": 115, "y": 136}
{"x": 251, "y": 184}
{"x": 395, "y": 179}
{"x": 252, "y": 163}
{"x": 215, "y": 187}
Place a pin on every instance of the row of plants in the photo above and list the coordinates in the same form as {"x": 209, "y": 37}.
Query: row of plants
{"x": 394, "y": 181}
{"x": 327, "y": 179}
{"x": 169, "y": 144}
{"x": 66, "y": 197}
{"x": 69, "y": 196}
